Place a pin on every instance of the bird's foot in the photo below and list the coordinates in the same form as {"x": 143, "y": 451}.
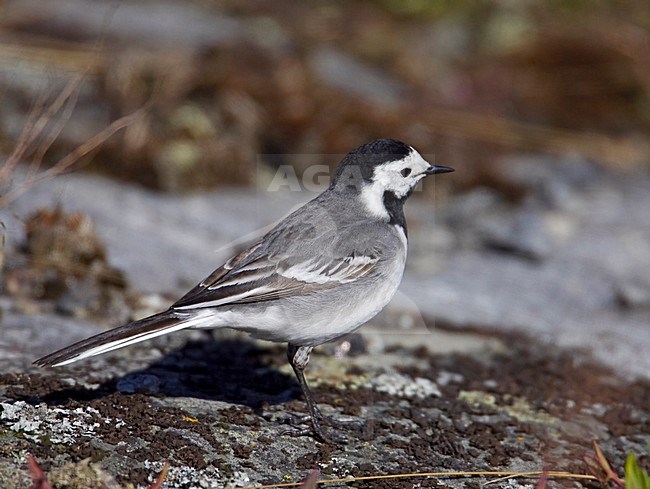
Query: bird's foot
{"x": 307, "y": 425}
{"x": 317, "y": 432}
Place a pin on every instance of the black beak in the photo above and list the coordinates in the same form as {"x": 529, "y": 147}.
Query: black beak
{"x": 438, "y": 169}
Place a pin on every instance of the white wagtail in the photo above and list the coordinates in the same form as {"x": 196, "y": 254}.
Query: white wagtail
{"x": 318, "y": 275}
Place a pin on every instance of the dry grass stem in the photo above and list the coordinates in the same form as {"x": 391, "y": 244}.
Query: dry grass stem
{"x": 442, "y": 475}
{"x": 158, "y": 483}
{"x": 68, "y": 161}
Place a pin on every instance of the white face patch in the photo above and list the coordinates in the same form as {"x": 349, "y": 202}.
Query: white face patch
{"x": 398, "y": 176}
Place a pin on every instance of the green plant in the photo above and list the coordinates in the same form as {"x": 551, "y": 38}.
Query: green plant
{"x": 635, "y": 476}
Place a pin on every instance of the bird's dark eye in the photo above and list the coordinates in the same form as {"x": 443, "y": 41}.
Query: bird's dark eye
{"x": 406, "y": 172}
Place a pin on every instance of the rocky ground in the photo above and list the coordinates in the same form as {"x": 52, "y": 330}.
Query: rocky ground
{"x": 519, "y": 335}
{"x": 217, "y": 410}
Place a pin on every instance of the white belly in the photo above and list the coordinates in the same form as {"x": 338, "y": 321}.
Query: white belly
{"x": 312, "y": 323}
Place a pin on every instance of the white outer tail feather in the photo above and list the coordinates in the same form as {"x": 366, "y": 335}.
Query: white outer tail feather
{"x": 136, "y": 338}
{"x": 114, "y": 345}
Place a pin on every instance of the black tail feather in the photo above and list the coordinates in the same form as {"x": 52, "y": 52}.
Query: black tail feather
{"x": 113, "y": 339}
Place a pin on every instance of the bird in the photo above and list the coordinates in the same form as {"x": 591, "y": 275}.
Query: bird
{"x": 316, "y": 276}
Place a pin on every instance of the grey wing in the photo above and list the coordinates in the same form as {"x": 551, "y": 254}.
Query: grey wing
{"x": 264, "y": 272}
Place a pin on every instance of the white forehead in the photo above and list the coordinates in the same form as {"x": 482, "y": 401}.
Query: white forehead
{"x": 413, "y": 160}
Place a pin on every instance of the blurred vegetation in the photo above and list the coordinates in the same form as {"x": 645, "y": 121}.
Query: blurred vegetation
{"x": 467, "y": 81}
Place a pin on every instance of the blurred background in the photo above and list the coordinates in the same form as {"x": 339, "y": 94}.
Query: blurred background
{"x": 226, "y": 81}
{"x": 543, "y": 108}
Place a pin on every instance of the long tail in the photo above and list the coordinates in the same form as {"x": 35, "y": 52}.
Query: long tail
{"x": 134, "y": 332}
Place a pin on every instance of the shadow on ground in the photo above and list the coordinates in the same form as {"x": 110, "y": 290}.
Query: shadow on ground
{"x": 230, "y": 371}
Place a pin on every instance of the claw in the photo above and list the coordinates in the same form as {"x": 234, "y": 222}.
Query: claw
{"x": 302, "y": 425}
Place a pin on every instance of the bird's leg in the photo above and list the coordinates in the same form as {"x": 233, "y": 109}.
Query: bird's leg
{"x": 299, "y": 358}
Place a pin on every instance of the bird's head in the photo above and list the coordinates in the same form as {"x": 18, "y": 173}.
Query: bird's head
{"x": 383, "y": 171}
